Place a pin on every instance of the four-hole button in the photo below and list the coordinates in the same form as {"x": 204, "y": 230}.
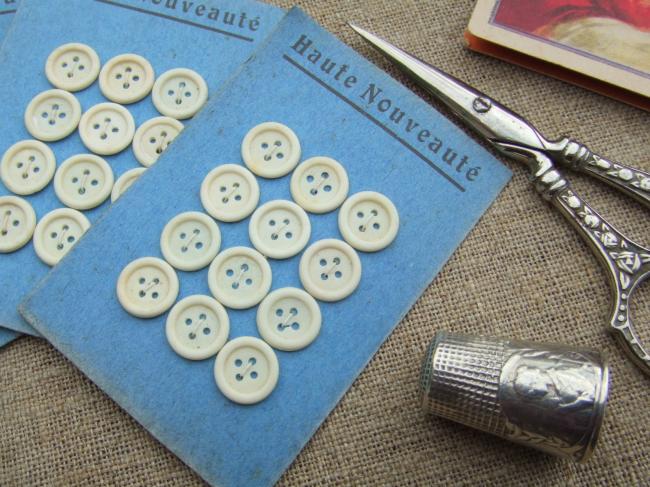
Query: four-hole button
{"x": 27, "y": 167}
{"x": 147, "y": 287}
{"x": 246, "y": 370}
{"x": 279, "y": 229}
{"x": 239, "y": 277}
{"x": 271, "y": 150}
{"x": 52, "y": 115}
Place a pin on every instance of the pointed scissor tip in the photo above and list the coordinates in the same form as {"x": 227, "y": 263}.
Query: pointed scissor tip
{"x": 362, "y": 32}
{"x": 354, "y": 26}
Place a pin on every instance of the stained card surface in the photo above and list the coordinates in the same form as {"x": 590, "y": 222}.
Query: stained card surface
{"x": 339, "y": 106}
{"x": 212, "y": 37}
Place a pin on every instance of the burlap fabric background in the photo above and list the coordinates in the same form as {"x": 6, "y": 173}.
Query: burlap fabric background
{"x": 523, "y": 272}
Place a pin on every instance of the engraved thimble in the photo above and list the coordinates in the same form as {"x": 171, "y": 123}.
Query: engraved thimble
{"x": 546, "y": 396}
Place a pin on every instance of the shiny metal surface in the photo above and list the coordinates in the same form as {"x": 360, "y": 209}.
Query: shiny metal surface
{"x": 627, "y": 263}
{"x": 548, "y": 397}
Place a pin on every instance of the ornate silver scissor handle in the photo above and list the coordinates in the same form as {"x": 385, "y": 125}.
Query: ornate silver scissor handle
{"x": 627, "y": 263}
{"x": 576, "y": 156}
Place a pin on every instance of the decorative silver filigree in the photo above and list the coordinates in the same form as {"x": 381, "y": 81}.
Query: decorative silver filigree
{"x": 550, "y": 397}
{"x": 631, "y": 181}
{"x": 627, "y": 262}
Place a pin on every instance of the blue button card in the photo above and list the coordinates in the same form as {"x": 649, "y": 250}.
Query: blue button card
{"x": 7, "y": 10}
{"x": 212, "y": 37}
{"x": 340, "y": 106}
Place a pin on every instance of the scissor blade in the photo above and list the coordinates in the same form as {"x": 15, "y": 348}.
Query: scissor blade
{"x": 492, "y": 120}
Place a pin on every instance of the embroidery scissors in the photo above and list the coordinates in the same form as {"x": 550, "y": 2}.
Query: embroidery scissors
{"x": 627, "y": 263}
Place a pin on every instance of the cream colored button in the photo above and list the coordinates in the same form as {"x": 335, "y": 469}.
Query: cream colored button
{"x": 289, "y": 319}
{"x": 52, "y": 115}
{"x": 239, "y": 277}
{"x": 246, "y": 370}
{"x": 147, "y": 287}
{"x": 126, "y": 78}
{"x": 271, "y": 150}
{"x": 125, "y": 181}
{"x": 57, "y": 232}
{"x": 197, "y": 327}
{"x": 107, "y": 128}
{"x": 153, "y": 137}
{"x": 72, "y": 67}
{"x": 279, "y": 229}
{"x": 230, "y": 193}
{"x": 179, "y": 93}
{"x": 190, "y": 241}
{"x": 17, "y": 222}
{"x": 319, "y": 184}
{"x": 368, "y": 221}
{"x": 27, "y": 167}
{"x": 83, "y": 182}
{"x": 330, "y": 270}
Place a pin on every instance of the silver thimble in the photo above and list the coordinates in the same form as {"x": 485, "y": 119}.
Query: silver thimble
{"x": 549, "y": 397}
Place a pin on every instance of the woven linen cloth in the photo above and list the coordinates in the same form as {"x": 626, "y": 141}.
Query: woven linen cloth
{"x": 522, "y": 273}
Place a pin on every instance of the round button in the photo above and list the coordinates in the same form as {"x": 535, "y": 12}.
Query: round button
{"x": 330, "y": 270}
{"x": 197, "y": 327}
{"x": 147, "y": 287}
{"x": 17, "y": 222}
{"x": 246, "y": 370}
{"x": 107, "y": 128}
{"x": 126, "y": 78}
{"x": 239, "y": 277}
{"x": 368, "y": 221}
{"x": 271, "y": 150}
{"x": 83, "y": 182}
{"x": 72, "y": 67}
{"x": 57, "y": 232}
{"x": 190, "y": 241}
{"x": 179, "y": 93}
{"x": 153, "y": 137}
{"x": 52, "y": 115}
{"x": 279, "y": 229}
{"x": 27, "y": 167}
{"x": 319, "y": 184}
{"x": 289, "y": 319}
{"x": 230, "y": 193}
{"x": 125, "y": 181}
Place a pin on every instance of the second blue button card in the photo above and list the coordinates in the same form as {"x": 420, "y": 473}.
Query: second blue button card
{"x": 341, "y": 107}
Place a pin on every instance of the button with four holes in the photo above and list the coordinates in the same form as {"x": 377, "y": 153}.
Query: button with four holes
{"x": 52, "y": 115}
{"x": 368, "y": 221}
{"x": 190, "y": 241}
{"x": 72, "y": 67}
{"x": 57, "y": 232}
{"x": 147, "y": 287}
{"x": 230, "y": 193}
{"x": 125, "y": 181}
{"x": 152, "y": 138}
{"x": 319, "y": 184}
{"x": 271, "y": 150}
{"x": 330, "y": 270}
{"x": 239, "y": 277}
{"x": 126, "y": 78}
{"x": 107, "y": 128}
{"x": 17, "y": 222}
{"x": 246, "y": 370}
{"x": 197, "y": 327}
{"x": 27, "y": 167}
{"x": 289, "y": 319}
{"x": 179, "y": 93}
{"x": 279, "y": 229}
{"x": 83, "y": 182}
